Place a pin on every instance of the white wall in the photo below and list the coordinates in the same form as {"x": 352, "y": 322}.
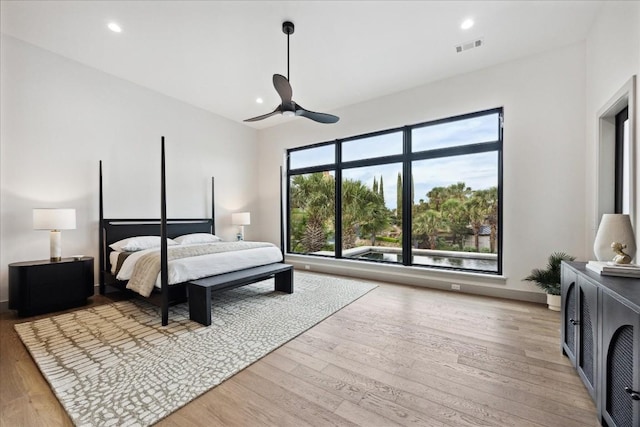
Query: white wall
{"x": 612, "y": 58}
{"x": 59, "y": 118}
{"x": 544, "y": 161}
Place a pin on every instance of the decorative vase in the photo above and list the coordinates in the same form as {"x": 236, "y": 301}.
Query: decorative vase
{"x": 554, "y": 302}
{"x": 614, "y": 228}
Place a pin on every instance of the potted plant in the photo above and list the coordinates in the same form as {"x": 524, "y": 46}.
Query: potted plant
{"x": 549, "y": 279}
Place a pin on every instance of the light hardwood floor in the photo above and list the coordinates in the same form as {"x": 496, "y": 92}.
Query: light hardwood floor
{"x": 397, "y": 356}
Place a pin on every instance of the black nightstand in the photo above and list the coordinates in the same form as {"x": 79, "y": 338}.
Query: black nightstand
{"x": 37, "y": 287}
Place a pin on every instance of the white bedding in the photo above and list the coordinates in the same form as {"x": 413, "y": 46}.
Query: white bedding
{"x": 185, "y": 269}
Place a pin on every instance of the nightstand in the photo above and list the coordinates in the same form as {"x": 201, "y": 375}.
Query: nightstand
{"x": 37, "y": 287}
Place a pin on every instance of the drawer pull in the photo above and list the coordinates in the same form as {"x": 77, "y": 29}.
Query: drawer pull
{"x": 634, "y": 394}
{"x": 574, "y": 322}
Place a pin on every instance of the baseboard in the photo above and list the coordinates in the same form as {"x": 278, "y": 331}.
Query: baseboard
{"x": 390, "y": 274}
{"x": 471, "y": 283}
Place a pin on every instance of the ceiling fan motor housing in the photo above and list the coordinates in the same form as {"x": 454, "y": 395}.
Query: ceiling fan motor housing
{"x": 288, "y": 27}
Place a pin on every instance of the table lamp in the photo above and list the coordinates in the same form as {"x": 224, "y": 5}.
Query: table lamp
{"x": 54, "y": 220}
{"x": 241, "y": 219}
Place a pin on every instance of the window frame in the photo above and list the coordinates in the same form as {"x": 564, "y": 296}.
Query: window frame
{"x": 620, "y": 161}
{"x": 406, "y": 159}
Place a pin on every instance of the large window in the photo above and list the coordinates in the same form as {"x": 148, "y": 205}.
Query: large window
{"x": 423, "y": 195}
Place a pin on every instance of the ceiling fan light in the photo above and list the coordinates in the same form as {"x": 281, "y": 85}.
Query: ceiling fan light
{"x": 288, "y": 113}
{"x": 113, "y": 26}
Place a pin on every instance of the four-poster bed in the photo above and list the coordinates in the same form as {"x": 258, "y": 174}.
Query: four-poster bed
{"x": 186, "y": 271}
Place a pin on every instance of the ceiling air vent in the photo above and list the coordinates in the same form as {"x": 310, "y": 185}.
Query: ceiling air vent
{"x": 469, "y": 45}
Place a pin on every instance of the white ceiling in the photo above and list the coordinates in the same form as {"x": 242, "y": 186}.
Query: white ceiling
{"x": 221, "y": 55}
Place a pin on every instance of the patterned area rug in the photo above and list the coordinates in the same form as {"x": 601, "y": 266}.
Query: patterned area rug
{"x": 114, "y": 365}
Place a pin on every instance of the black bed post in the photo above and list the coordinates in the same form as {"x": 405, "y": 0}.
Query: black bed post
{"x": 213, "y": 205}
{"x": 164, "y": 275}
{"x": 101, "y": 250}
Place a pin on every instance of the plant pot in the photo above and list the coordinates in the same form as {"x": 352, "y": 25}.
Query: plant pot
{"x": 554, "y": 302}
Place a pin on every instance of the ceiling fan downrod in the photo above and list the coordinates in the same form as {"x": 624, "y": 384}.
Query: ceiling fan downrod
{"x": 288, "y": 28}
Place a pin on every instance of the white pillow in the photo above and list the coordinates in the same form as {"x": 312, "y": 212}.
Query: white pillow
{"x": 139, "y": 243}
{"x": 189, "y": 239}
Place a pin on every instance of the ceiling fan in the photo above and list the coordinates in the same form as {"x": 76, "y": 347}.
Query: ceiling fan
{"x": 288, "y": 107}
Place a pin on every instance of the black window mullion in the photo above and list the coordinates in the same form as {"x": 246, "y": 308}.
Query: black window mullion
{"x": 481, "y": 147}
{"x": 406, "y": 198}
{"x": 373, "y": 161}
{"x": 288, "y": 245}
{"x": 337, "y": 246}
{"x": 312, "y": 169}
{"x": 500, "y": 192}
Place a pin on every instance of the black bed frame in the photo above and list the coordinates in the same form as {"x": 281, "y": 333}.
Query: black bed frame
{"x": 113, "y": 230}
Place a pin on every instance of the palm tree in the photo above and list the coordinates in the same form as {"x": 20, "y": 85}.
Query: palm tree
{"x": 361, "y": 209}
{"x": 455, "y": 215}
{"x": 476, "y": 219}
{"x": 399, "y": 199}
{"x": 314, "y": 195}
{"x": 437, "y": 196}
{"x": 458, "y": 191}
{"x": 428, "y": 222}
{"x": 549, "y": 279}
{"x": 478, "y": 208}
{"x": 491, "y": 196}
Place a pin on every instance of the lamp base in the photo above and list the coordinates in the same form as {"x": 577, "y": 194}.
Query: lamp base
{"x": 55, "y": 246}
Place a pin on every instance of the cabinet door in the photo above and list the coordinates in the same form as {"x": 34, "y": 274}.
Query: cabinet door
{"x": 620, "y": 387}
{"x": 569, "y": 314}
{"x": 55, "y": 286}
{"x": 587, "y": 329}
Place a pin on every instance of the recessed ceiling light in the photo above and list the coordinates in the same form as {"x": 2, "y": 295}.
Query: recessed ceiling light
{"x": 259, "y": 100}
{"x": 466, "y": 24}
{"x": 114, "y": 27}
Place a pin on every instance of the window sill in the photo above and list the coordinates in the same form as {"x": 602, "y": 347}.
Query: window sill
{"x": 475, "y": 283}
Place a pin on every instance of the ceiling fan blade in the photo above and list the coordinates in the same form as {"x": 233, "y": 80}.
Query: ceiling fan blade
{"x": 283, "y": 87}
{"x": 318, "y": 117}
{"x": 278, "y": 110}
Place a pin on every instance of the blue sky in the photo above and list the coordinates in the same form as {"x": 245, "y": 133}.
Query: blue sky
{"x": 478, "y": 171}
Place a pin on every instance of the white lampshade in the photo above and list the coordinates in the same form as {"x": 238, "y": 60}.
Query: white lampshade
{"x": 614, "y": 228}
{"x": 241, "y": 218}
{"x": 54, "y": 219}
